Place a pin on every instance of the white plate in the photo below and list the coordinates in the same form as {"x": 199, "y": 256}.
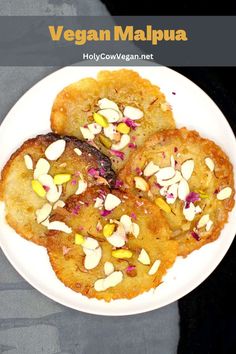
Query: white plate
{"x": 192, "y": 108}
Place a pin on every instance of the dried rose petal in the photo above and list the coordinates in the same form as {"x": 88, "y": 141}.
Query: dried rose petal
{"x": 133, "y": 216}
{"x": 138, "y": 171}
{"x": 119, "y": 154}
{"x": 73, "y": 182}
{"x": 131, "y": 123}
{"x": 195, "y": 235}
{"x": 105, "y": 212}
{"x": 175, "y": 149}
{"x": 46, "y": 188}
{"x": 192, "y": 197}
{"x": 119, "y": 183}
{"x": 132, "y": 146}
{"x": 102, "y": 171}
{"x": 93, "y": 172}
{"x": 131, "y": 271}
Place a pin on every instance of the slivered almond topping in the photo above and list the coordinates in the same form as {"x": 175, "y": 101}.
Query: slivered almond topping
{"x": 108, "y": 268}
{"x": 209, "y": 225}
{"x": 144, "y": 257}
{"x": 124, "y": 141}
{"x": 117, "y": 239}
{"x": 28, "y": 162}
{"x": 166, "y": 183}
{"x": 55, "y": 150}
{"x": 82, "y": 186}
{"x": 95, "y": 128}
{"x": 106, "y": 103}
{"x": 90, "y": 243}
{"x": 59, "y": 226}
{"x": 42, "y": 167}
{"x": 154, "y": 268}
{"x": 109, "y": 282}
{"x": 78, "y": 151}
{"x": 126, "y": 221}
{"x": 150, "y": 169}
{"x": 98, "y": 203}
{"x": 110, "y": 131}
{"x": 165, "y": 173}
{"x": 183, "y": 189}
{"x": 43, "y": 213}
{"x": 172, "y": 161}
{"x": 203, "y": 221}
{"x": 87, "y": 134}
{"x": 133, "y": 113}
{"x": 187, "y": 168}
{"x": 141, "y": 184}
{"x": 92, "y": 258}
{"x": 111, "y": 202}
{"x": 53, "y": 193}
{"x": 210, "y": 163}
{"x": 135, "y": 229}
{"x": 225, "y": 193}
{"x": 172, "y": 193}
{"x": 110, "y": 114}
{"x": 189, "y": 213}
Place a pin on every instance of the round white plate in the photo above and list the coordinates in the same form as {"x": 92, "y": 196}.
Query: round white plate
{"x": 192, "y": 108}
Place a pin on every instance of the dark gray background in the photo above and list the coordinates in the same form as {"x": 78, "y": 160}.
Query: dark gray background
{"x": 30, "y": 323}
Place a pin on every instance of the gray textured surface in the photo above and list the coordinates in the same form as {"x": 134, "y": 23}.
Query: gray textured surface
{"x": 30, "y": 323}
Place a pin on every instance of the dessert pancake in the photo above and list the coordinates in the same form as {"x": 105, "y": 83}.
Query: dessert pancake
{"x": 190, "y": 178}
{"x": 109, "y": 246}
{"x": 42, "y": 174}
{"x": 116, "y": 112}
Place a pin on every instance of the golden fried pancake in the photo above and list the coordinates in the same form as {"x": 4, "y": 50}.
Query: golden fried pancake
{"x": 129, "y": 276}
{"x": 27, "y": 183}
{"x": 110, "y": 95}
{"x": 190, "y": 178}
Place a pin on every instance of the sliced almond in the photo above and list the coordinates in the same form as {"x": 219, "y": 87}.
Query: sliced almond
{"x": 53, "y": 193}
{"x": 165, "y": 173}
{"x": 92, "y": 259}
{"x": 133, "y": 113}
{"x": 28, "y": 162}
{"x": 117, "y": 239}
{"x": 183, "y": 189}
{"x": 177, "y": 177}
{"x": 141, "y": 184}
{"x": 111, "y": 202}
{"x": 110, "y": 114}
{"x": 59, "y": 204}
{"x": 172, "y": 193}
{"x": 55, "y": 150}
{"x": 113, "y": 279}
{"x": 127, "y": 223}
{"x": 90, "y": 243}
{"x": 172, "y": 161}
{"x": 108, "y": 268}
{"x": 135, "y": 229}
{"x": 110, "y": 131}
{"x": 189, "y": 213}
{"x": 150, "y": 169}
{"x": 225, "y": 193}
{"x": 95, "y": 128}
{"x": 144, "y": 257}
{"x": 98, "y": 203}
{"x": 42, "y": 167}
{"x": 43, "y": 213}
{"x": 106, "y": 103}
{"x": 210, "y": 163}
{"x": 82, "y": 186}
{"x": 209, "y": 225}
{"x": 78, "y": 151}
{"x": 45, "y": 223}
{"x": 87, "y": 134}
{"x": 198, "y": 209}
{"x": 187, "y": 168}
{"x": 163, "y": 191}
{"x": 203, "y": 221}
{"x": 59, "y": 226}
{"x": 124, "y": 141}
{"x": 154, "y": 268}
